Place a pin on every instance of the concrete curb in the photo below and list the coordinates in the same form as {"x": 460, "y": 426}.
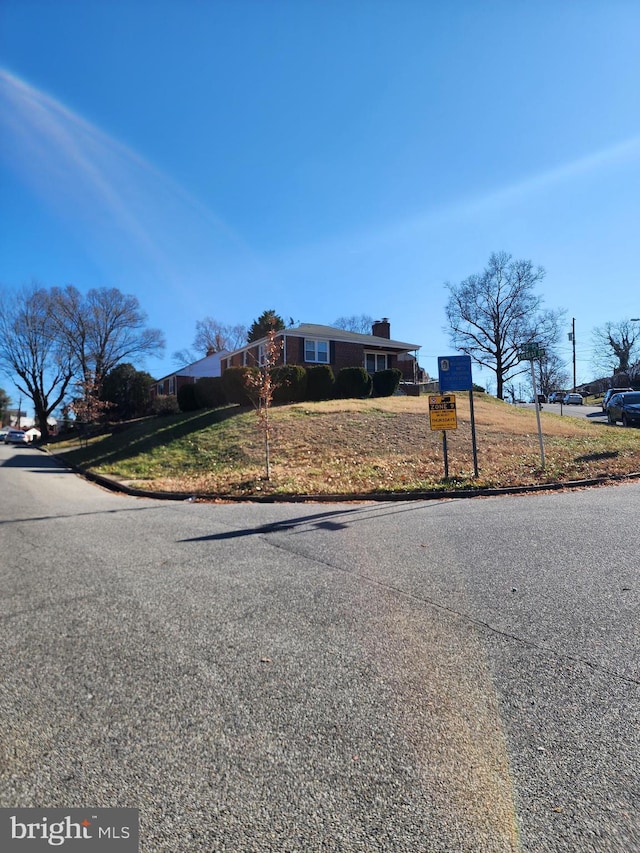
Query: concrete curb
{"x": 115, "y": 486}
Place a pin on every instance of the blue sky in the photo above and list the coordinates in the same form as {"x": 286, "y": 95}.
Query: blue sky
{"x": 321, "y": 158}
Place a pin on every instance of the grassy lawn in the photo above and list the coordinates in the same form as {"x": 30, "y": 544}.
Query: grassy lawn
{"x": 364, "y": 446}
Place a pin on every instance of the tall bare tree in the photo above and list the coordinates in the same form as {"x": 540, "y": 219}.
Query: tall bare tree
{"x": 616, "y": 346}
{"x": 355, "y": 323}
{"x": 211, "y": 336}
{"x": 39, "y": 362}
{"x": 100, "y": 329}
{"x": 494, "y": 313}
{"x": 552, "y": 373}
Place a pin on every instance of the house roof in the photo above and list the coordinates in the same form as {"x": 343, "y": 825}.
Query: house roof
{"x": 191, "y": 369}
{"x": 314, "y": 330}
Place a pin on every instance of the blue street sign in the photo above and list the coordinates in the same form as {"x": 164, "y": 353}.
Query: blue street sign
{"x": 454, "y": 373}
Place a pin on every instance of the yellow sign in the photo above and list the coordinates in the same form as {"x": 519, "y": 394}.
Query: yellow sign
{"x": 442, "y": 411}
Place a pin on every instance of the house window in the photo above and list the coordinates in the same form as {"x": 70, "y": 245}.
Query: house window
{"x": 172, "y": 385}
{"x": 316, "y": 351}
{"x": 375, "y": 361}
{"x": 262, "y": 355}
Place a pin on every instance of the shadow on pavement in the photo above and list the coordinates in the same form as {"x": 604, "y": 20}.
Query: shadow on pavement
{"x": 320, "y": 520}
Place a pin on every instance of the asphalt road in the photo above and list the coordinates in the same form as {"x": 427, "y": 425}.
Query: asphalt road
{"x": 430, "y": 676}
{"x": 593, "y": 413}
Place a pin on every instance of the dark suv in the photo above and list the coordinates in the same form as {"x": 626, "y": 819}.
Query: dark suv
{"x": 609, "y": 394}
{"x": 624, "y": 407}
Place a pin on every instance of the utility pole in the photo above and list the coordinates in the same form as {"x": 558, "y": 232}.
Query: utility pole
{"x": 572, "y": 338}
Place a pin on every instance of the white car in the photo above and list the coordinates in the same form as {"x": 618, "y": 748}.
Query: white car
{"x": 16, "y": 436}
{"x": 573, "y": 400}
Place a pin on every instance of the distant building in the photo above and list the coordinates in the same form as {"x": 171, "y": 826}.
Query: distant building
{"x": 209, "y": 366}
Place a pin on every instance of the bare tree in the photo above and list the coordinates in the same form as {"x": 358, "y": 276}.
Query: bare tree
{"x": 355, "y": 323}
{"x": 88, "y": 407}
{"x": 493, "y": 314}
{"x": 552, "y": 373}
{"x": 213, "y": 336}
{"x": 30, "y": 351}
{"x": 261, "y": 385}
{"x": 616, "y": 346}
{"x": 101, "y": 329}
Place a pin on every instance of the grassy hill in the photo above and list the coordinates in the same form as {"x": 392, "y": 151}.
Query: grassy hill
{"x": 364, "y": 446}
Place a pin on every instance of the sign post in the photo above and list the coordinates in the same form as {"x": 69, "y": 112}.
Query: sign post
{"x": 533, "y": 352}
{"x": 454, "y": 374}
{"x": 443, "y": 415}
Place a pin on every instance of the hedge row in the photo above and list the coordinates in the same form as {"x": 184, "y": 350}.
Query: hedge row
{"x": 293, "y": 384}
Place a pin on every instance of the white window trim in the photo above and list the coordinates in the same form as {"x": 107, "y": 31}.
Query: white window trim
{"x": 315, "y": 359}
{"x": 376, "y": 354}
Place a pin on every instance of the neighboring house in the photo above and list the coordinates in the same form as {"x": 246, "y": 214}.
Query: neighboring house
{"x": 208, "y": 366}
{"x": 309, "y": 345}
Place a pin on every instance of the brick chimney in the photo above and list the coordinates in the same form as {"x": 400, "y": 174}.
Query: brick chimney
{"x": 381, "y": 328}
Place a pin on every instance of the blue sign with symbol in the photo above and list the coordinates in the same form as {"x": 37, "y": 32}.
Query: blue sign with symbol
{"x": 454, "y": 373}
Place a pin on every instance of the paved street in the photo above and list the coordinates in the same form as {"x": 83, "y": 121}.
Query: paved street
{"x": 592, "y": 413}
{"x": 430, "y": 676}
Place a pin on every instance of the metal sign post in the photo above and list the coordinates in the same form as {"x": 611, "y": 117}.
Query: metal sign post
{"x": 454, "y": 374}
{"x": 443, "y": 415}
{"x": 530, "y": 353}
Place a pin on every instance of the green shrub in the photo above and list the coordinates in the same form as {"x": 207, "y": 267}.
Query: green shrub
{"x": 290, "y": 383}
{"x": 353, "y": 382}
{"x": 209, "y": 392}
{"x": 165, "y": 404}
{"x": 187, "y": 398}
{"x": 320, "y": 383}
{"x": 234, "y": 384}
{"x": 385, "y": 382}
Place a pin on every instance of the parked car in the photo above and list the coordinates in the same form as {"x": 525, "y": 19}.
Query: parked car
{"x": 608, "y": 394}
{"x": 557, "y": 396}
{"x": 624, "y": 407}
{"x": 573, "y": 400}
{"x": 15, "y": 436}
{"x": 3, "y": 433}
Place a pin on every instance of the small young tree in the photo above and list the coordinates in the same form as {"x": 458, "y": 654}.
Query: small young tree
{"x": 261, "y": 385}
{"x": 88, "y": 407}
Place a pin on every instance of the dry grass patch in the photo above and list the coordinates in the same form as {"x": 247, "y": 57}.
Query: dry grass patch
{"x": 386, "y": 445}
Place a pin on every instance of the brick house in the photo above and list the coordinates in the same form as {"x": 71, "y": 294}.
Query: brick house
{"x": 309, "y": 345}
{"x": 208, "y": 366}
